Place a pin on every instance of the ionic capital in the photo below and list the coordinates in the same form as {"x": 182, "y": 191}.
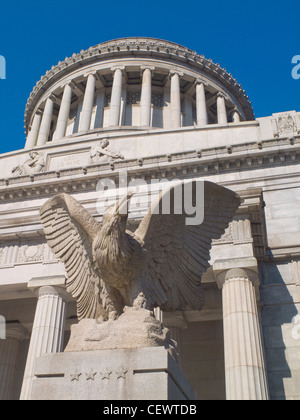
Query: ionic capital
{"x": 122, "y": 68}
{"x": 174, "y": 72}
{"x": 52, "y": 97}
{"x": 200, "y": 82}
{"x": 69, "y": 83}
{"x": 143, "y": 68}
{"x": 91, "y": 73}
{"x": 152, "y": 68}
{"x": 221, "y": 95}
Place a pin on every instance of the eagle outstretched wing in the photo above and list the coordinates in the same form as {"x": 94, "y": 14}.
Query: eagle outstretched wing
{"x": 178, "y": 254}
{"x": 70, "y": 230}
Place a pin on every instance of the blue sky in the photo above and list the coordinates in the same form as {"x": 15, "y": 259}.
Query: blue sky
{"x": 255, "y": 41}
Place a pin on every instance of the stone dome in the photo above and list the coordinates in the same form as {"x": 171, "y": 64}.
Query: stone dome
{"x": 132, "y": 84}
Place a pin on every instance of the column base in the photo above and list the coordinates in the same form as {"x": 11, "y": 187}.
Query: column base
{"x": 148, "y": 373}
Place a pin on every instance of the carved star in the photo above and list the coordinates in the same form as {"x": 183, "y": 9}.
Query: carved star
{"x": 121, "y": 373}
{"x": 106, "y": 374}
{"x": 90, "y": 375}
{"x": 75, "y": 376}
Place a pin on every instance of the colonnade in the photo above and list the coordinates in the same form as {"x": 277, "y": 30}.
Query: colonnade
{"x": 245, "y": 371}
{"x": 39, "y": 133}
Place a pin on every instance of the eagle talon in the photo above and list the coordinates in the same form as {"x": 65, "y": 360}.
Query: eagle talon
{"x": 140, "y": 301}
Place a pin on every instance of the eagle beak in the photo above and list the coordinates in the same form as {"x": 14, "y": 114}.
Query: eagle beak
{"x": 122, "y": 205}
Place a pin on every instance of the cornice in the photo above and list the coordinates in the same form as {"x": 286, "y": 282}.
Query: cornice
{"x": 195, "y": 163}
{"x": 134, "y": 48}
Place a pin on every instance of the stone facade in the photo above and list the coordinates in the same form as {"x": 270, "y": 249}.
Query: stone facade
{"x": 156, "y": 110}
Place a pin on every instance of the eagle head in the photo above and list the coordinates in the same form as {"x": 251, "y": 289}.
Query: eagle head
{"x": 115, "y": 217}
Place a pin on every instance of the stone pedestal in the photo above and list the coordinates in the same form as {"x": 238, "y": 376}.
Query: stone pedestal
{"x": 148, "y": 373}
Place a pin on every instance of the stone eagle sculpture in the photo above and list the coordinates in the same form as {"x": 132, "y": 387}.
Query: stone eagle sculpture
{"x": 159, "y": 265}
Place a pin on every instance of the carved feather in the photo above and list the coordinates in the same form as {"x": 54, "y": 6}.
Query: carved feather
{"x": 70, "y": 230}
{"x": 108, "y": 267}
{"x": 178, "y": 254}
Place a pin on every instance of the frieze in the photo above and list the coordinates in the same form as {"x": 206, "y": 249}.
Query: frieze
{"x": 17, "y": 253}
{"x": 31, "y": 253}
{"x": 206, "y": 161}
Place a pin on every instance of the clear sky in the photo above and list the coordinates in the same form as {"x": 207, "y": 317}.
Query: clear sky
{"x": 255, "y": 41}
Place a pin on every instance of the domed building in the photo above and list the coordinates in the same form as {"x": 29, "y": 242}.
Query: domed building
{"x": 151, "y": 110}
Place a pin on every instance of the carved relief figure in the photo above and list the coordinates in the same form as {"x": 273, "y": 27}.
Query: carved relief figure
{"x": 34, "y": 164}
{"x": 100, "y": 153}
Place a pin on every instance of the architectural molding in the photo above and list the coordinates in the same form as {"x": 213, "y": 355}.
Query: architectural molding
{"x": 205, "y": 161}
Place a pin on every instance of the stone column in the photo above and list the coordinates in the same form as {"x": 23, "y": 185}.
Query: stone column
{"x": 245, "y": 371}
{"x": 175, "y": 99}
{"x": 201, "y": 109}
{"x": 9, "y": 349}
{"x": 116, "y": 95}
{"x": 236, "y": 116}
{"x": 146, "y": 96}
{"x": 221, "y": 109}
{"x": 34, "y": 131}
{"x": 64, "y": 113}
{"x": 46, "y": 122}
{"x": 88, "y": 103}
{"x": 48, "y": 326}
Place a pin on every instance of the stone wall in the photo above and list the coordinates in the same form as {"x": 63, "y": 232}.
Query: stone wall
{"x": 203, "y": 359}
{"x": 280, "y": 294}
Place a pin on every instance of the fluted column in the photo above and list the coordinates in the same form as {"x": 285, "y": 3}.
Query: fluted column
{"x": 221, "y": 109}
{"x": 245, "y": 371}
{"x": 47, "y": 332}
{"x": 175, "y": 99}
{"x": 88, "y": 103}
{"x": 46, "y": 122}
{"x": 116, "y": 95}
{"x": 201, "y": 109}
{"x": 64, "y": 113}
{"x": 9, "y": 349}
{"x": 146, "y": 96}
{"x": 34, "y": 131}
